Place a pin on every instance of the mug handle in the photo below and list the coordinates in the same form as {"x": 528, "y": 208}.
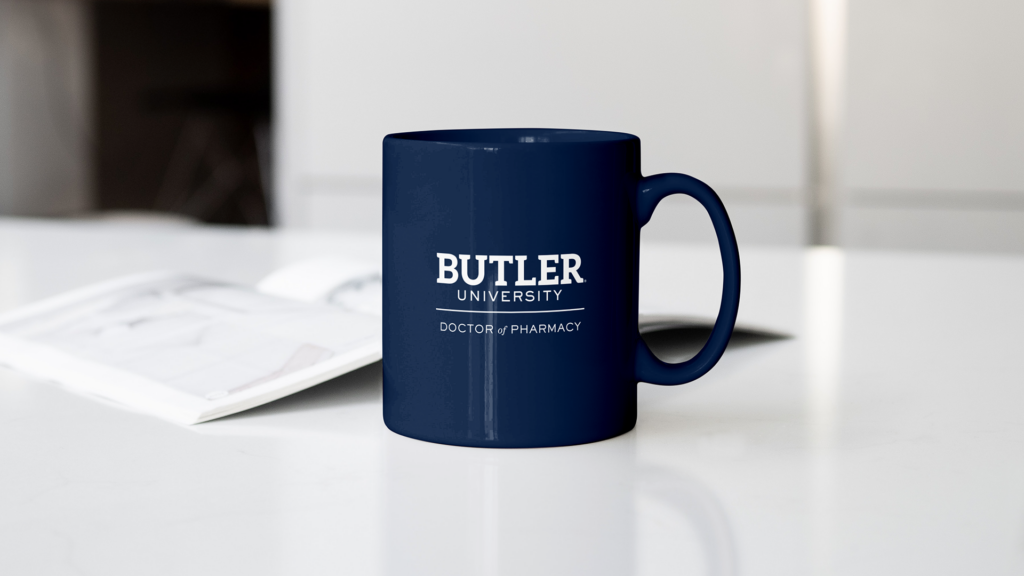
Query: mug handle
{"x": 649, "y": 192}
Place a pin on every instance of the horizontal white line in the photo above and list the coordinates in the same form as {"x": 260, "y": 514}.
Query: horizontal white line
{"x": 508, "y": 311}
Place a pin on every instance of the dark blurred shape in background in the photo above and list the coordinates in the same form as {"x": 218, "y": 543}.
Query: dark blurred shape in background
{"x": 183, "y": 108}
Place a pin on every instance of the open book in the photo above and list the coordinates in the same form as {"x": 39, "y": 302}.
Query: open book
{"x": 190, "y": 349}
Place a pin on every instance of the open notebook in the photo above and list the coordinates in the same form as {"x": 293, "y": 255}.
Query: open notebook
{"x": 191, "y": 349}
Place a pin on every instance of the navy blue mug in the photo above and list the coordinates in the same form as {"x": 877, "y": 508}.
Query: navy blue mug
{"x": 511, "y": 274}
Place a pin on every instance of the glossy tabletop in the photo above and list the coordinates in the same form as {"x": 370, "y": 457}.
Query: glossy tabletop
{"x": 885, "y": 437}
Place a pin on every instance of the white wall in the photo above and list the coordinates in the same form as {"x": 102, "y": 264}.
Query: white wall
{"x": 935, "y": 124}
{"x": 44, "y": 107}
{"x": 714, "y": 89}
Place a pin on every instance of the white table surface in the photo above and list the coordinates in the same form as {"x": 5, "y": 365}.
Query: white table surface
{"x": 886, "y": 438}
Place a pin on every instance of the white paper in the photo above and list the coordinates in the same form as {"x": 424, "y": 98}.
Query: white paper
{"x": 185, "y": 348}
{"x": 343, "y": 282}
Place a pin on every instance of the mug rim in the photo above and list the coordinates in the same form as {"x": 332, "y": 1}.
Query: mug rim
{"x": 512, "y": 136}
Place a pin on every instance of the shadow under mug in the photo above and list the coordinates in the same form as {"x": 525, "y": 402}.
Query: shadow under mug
{"x": 510, "y": 282}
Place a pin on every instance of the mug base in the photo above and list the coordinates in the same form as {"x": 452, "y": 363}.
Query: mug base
{"x": 574, "y": 440}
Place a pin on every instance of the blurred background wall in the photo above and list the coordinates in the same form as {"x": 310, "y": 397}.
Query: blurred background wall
{"x": 934, "y": 125}
{"x": 715, "y": 89}
{"x": 863, "y": 123}
{"x": 45, "y": 108}
{"x": 905, "y": 118}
